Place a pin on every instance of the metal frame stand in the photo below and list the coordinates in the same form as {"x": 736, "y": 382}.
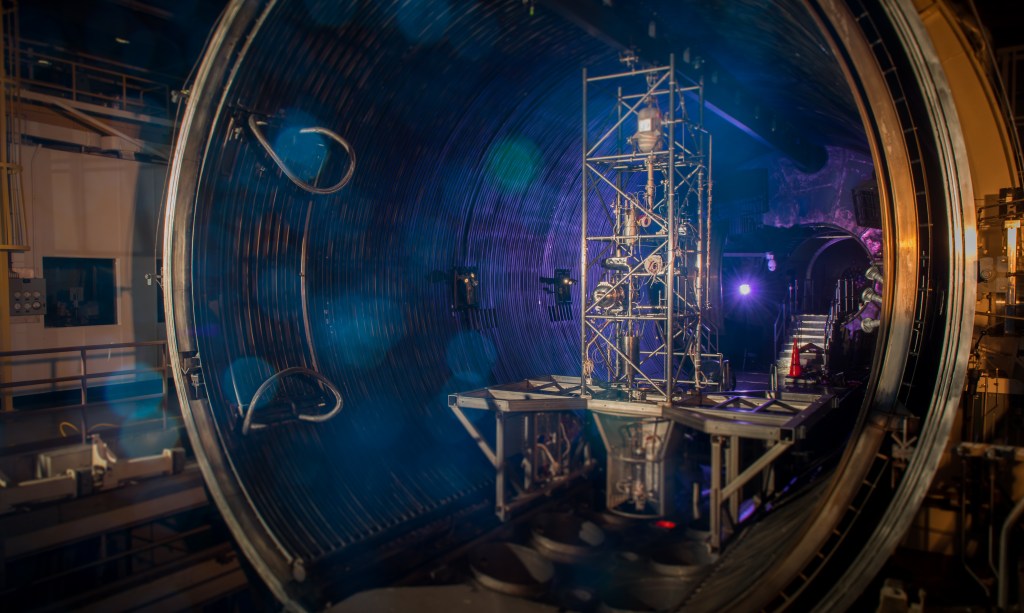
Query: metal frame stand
{"x": 543, "y": 435}
{"x": 644, "y": 244}
{"x": 646, "y": 223}
{"x": 780, "y": 421}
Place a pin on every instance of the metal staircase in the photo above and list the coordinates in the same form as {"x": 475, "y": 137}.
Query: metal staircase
{"x": 809, "y": 331}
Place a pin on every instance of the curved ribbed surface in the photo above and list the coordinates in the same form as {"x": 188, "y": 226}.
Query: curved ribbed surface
{"x": 468, "y": 154}
{"x": 465, "y": 120}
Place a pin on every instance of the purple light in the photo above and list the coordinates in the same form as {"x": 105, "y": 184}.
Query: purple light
{"x": 744, "y": 289}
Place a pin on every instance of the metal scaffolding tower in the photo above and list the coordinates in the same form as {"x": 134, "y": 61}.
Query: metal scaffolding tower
{"x": 650, "y": 363}
{"x": 646, "y": 223}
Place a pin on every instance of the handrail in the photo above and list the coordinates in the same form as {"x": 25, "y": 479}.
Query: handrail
{"x": 72, "y": 77}
{"x": 84, "y": 376}
{"x": 844, "y": 301}
{"x": 779, "y": 327}
{"x": 830, "y": 322}
{"x": 102, "y": 63}
{"x": 72, "y": 348}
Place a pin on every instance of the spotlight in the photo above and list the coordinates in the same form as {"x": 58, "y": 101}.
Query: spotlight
{"x": 770, "y": 257}
{"x": 744, "y": 289}
{"x": 466, "y": 286}
{"x": 561, "y": 284}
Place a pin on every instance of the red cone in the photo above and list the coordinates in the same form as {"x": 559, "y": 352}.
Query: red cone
{"x": 794, "y": 362}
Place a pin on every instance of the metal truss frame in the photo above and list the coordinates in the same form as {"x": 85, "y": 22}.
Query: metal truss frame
{"x": 517, "y": 408}
{"x": 646, "y": 204}
{"x": 779, "y": 420}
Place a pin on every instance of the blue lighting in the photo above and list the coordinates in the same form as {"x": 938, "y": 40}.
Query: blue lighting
{"x": 744, "y": 289}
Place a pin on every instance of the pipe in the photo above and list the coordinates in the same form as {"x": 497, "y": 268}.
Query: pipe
{"x": 992, "y": 506}
{"x": 871, "y": 295}
{"x": 1004, "y": 537}
{"x": 1000, "y": 315}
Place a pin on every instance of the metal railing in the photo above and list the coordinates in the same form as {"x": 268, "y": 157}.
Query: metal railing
{"x": 41, "y": 68}
{"x": 830, "y": 322}
{"x": 779, "y": 328}
{"x": 84, "y": 377}
{"x": 844, "y": 301}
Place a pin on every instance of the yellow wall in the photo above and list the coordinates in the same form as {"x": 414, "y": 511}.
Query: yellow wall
{"x": 81, "y": 205}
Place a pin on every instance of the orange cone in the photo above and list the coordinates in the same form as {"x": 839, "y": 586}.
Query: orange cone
{"x": 794, "y": 362}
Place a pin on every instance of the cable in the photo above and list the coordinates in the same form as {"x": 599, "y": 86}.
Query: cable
{"x": 93, "y": 428}
{"x": 68, "y": 424}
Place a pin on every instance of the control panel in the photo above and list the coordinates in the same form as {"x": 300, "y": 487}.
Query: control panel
{"x": 28, "y": 297}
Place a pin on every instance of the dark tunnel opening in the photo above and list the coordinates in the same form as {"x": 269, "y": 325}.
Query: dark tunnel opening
{"x": 806, "y": 269}
{"x": 464, "y": 128}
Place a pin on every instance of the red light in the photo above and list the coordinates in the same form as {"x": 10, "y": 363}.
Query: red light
{"x": 665, "y": 524}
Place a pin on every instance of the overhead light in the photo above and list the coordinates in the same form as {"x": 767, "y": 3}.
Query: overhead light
{"x": 121, "y": 41}
{"x": 43, "y": 62}
{"x": 744, "y": 289}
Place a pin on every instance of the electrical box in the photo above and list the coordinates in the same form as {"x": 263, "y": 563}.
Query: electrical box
{"x": 28, "y": 297}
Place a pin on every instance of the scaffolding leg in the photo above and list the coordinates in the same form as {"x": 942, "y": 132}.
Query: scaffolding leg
{"x": 716, "y": 493}
{"x": 732, "y": 471}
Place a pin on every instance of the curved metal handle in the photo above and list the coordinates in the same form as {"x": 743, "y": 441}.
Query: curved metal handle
{"x": 254, "y": 125}
{"x": 247, "y": 424}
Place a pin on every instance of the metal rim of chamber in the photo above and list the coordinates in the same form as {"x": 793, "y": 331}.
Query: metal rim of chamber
{"x": 275, "y": 565}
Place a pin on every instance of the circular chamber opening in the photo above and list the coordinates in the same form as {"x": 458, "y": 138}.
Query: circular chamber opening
{"x": 375, "y": 206}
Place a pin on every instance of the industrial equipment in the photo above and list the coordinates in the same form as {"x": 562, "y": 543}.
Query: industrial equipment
{"x": 461, "y": 122}
{"x": 80, "y": 470}
{"x": 28, "y": 297}
{"x": 647, "y": 169}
